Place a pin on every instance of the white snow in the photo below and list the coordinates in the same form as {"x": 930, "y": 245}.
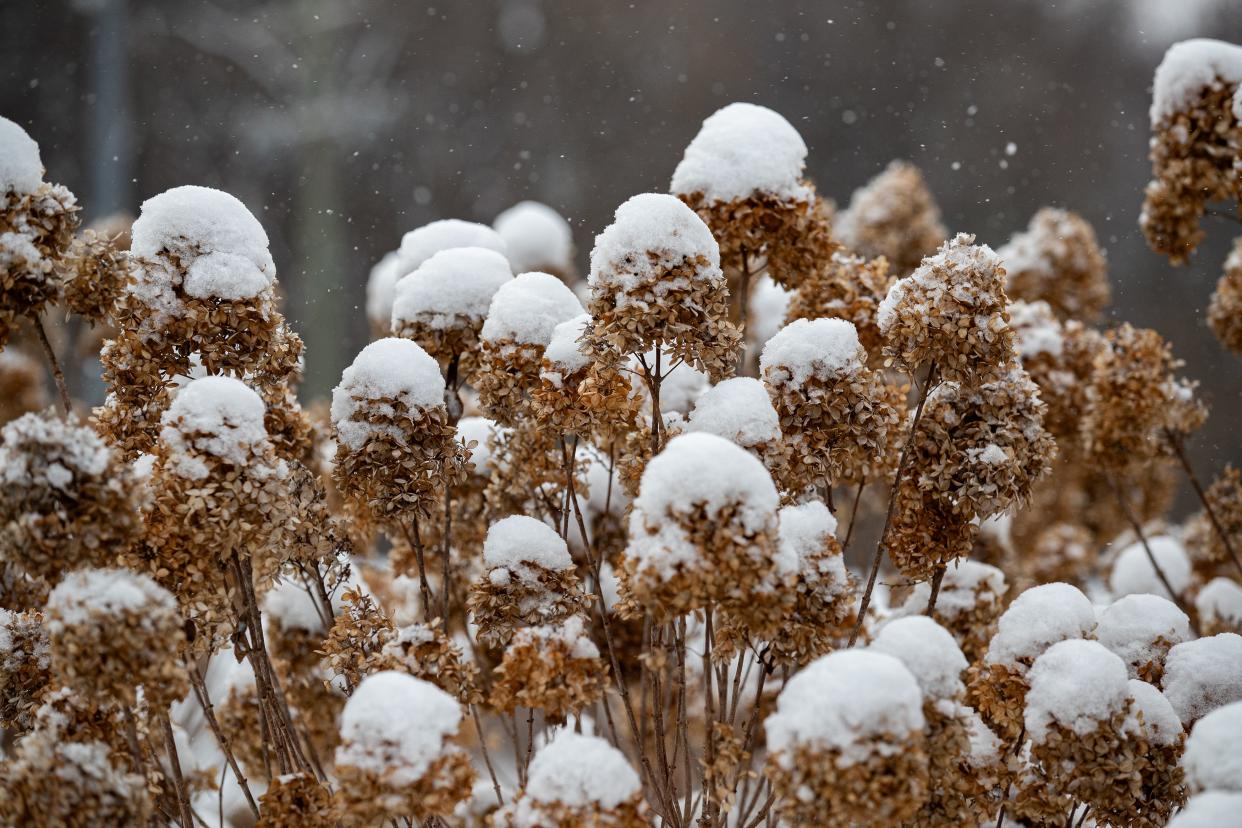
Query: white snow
{"x": 965, "y": 586}
{"x": 21, "y": 168}
{"x": 1160, "y": 724}
{"x": 846, "y": 700}
{"x": 929, "y": 652}
{"x": 737, "y": 409}
{"x": 1210, "y": 809}
{"x": 1076, "y": 684}
{"x": 1037, "y": 329}
{"x": 1189, "y": 68}
{"x": 479, "y": 429}
{"x": 452, "y": 288}
{"x": 536, "y": 236}
{"x": 527, "y": 309}
{"x": 291, "y": 606}
{"x": 382, "y": 288}
{"x": 581, "y": 771}
{"x": 516, "y": 542}
{"x": 214, "y": 415}
{"x": 679, "y": 388}
{"x": 1202, "y": 675}
{"x": 1131, "y": 626}
{"x": 821, "y": 348}
{"x": 23, "y": 461}
{"x": 396, "y": 725}
{"x": 572, "y": 634}
{"x": 103, "y": 597}
{"x": 768, "y": 306}
{"x": 803, "y": 532}
{"x": 1221, "y": 602}
{"x": 743, "y": 149}
{"x": 387, "y": 370}
{"x": 419, "y": 245}
{"x": 651, "y": 233}
{"x": 1133, "y": 573}
{"x": 1212, "y": 760}
{"x": 1039, "y": 617}
{"x": 563, "y": 350}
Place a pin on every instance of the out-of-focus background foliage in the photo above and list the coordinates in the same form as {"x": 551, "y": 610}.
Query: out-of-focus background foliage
{"x": 344, "y": 123}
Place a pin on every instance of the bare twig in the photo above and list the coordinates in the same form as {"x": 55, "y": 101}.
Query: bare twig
{"x": 1175, "y": 440}
{"x": 66, "y": 403}
{"x": 183, "y": 798}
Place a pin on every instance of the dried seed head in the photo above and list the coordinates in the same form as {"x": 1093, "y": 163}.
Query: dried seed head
{"x": 1058, "y": 260}
{"x": 22, "y": 388}
{"x": 894, "y": 216}
{"x": 553, "y": 668}
{"x": 25, "y": 668}
{"x": 970, "y": 601}
{"x": 846, "y": 287}
{"x": 1225, "y": 310}
{"x": 1060, "y": 357}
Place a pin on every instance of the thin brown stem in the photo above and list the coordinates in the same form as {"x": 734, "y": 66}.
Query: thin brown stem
{"x": 1124, "y": 502}
{"x": 1179, "y": 449}
{"x": 222, "y": 739}
{"x": 487, "y": 757}
{"x": 849, "y": 532}
{"x": 66, "y": 402}
{"x": 183, "y": 798}
{"x": 937, "y": 577}
{"x": 446, "y": 585}
{"x": 415, "y": 540}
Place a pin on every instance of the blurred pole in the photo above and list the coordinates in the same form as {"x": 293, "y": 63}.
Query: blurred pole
{"x": 110, "y": 161}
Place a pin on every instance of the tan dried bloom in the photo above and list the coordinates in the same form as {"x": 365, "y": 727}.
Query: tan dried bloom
{"x": 99, "y": 272}
{"x": 112, "y": 632}
{"x": 1058, "y": 260}
{"x": 1195, "y": 144}
{"x": 67, "y": 499}
{"x": 555, "y": 669}
{"x": 894, "y": 216}
{"x": 1225, "y": 309}
{"x": 836, "y": 414}
{"x": 399, "y": 754}
{"x": 846, "y": 287}
{"x": 358, "y": 634}
{"x": 37, "y": 221}
{"x": 22, "y": 388}
{"x": 521, "y": 320}
{"x": 530, "y": 581}
{"x": 846, "y": 743}
{"x": 396, "y": 450}
{"x": 299, "y": 800}
{"x": 656, "y": 283}
{"x": 25, "y": 668}
{"x": 971, "y": 599}
{"x": 577, "y": 781}
{"x": 425, "y": 652}
{"x": 950, "y": 312}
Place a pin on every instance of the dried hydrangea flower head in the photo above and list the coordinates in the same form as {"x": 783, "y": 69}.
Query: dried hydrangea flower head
{"x": 702, "y": 529}
{"x": 836, "y": 414}
{"x": 958, "y": 795}
{"x": 1203, "y": 674}
{"x": 420, "y": 244}
{"x": 743, "y": 174}
{"x": 1202, "y": 540}
{"x": 396, "y": 450}
{"x": 1195, "y": 120}
{"x": 740, "y": 410}
{"x": 1038, "y": 618}
{"x": 297, "y": 799}
{"x": 530, "y": 580}
{"x": 1058, "y": 260}
{"x": 22, "y": 388}
{"x": 25, "y": 668}
{"x": 1219, "y": 606}
{"x": 538, "y": 238}
{"x": 1212, "y": 760}
{"x": 113, "y": 631}
{"x": 1135, "y": 402}
{"x": 37, "y": 221}
{"x": 970, "y": 602}
{"x": 1154, "y": 742}
{"x": 399, "y": 755}
{"x": 67, "y": 500}
{"x": 555, "y": 668}
{"x": 580, "y": 397}
{"x": 202, "y": 296}
{"x": 425, "y": 652}
{"x": 577, "y": 780}
{"x": 1140, "y": 629}
{"x": 98, "y": 273}
{"x": 893, "y": 216}
{"x": 656, "y": 283}
{"x": 1225, "y": 309}
{"x": 845, "y": 744}
{"x": 950, "y": 312}
{"x": 520, "y": 322}
{"x": 443, "y": 303}
{"x": 846, "y": 287}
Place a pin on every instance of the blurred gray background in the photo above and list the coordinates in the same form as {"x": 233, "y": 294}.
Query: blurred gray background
{"x": 344, "y": 123}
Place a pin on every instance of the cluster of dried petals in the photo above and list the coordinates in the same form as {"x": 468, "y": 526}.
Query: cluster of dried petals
{"x": 396, "y": 450}
{"x": 297, "y": 799}
{"x": 846, "y": 287}
{"x": 656, "y": 283}
{"x": 425, "y": 652}
{"x": 37, "y": 221}
{"x": 1059, "y": 552}
{"x": 950, "y": 312}
{"x": 702, "y": 529}
{"x": 1058, "y": 260}
{"x": 98, "y": 273}
{"x": 443, "y": 303}
{"x": 113, "y": 631}
{"x": 846, "y": 743}
{"x": 22, "y": 388}
{"x": 358, "y": 634}
{"x": 25, "y": 667}
{"x": 399, "y": 755}
{"x": 893, "y": 216}
{"x": 836, "y": 414}
{"x": 555, "y": 669}
{"x": 528, "y": 474}
{"x": 1225, "y": 309}
{"x": 1196, "y": 141}
{"x": 521, "y": 320}
{"x": 970, "y": 601}
{"x": 1134, "y": 400}
{"x": 530, "y": 580}
{"x": 67, "y": 500}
